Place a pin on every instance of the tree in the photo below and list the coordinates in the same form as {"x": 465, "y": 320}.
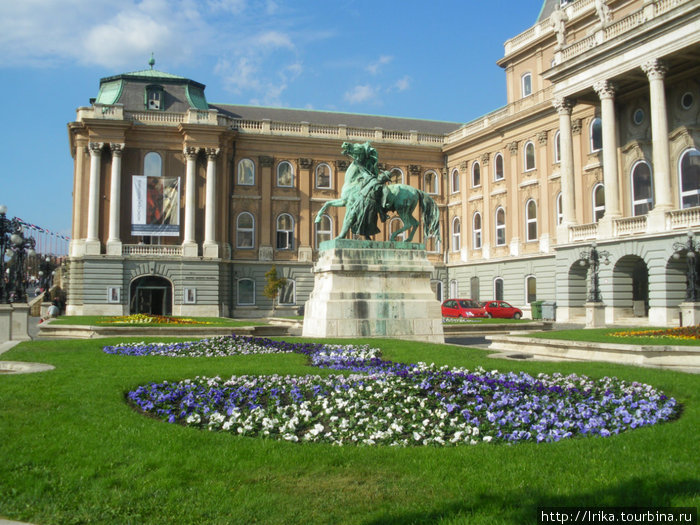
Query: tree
{"x": 274, "y": 285}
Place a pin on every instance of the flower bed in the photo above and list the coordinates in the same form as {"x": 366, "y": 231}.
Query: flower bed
{"x": 392, "y": 403}
{"x": 684, "y": 332}
{"x": 151, "y": 319}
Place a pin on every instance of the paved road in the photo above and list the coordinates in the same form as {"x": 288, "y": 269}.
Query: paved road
{"x": 472, "y": 341}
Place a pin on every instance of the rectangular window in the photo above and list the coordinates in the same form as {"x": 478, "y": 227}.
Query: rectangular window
{"x": 246, "y": 292}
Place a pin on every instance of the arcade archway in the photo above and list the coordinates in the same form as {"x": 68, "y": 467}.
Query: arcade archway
{"x": 151, "y": 295}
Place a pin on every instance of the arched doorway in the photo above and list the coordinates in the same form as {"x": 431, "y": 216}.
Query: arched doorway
{"x": 631, "y": 287}
{"x": 151, "y": 295}
{"x": 576, "y": 292}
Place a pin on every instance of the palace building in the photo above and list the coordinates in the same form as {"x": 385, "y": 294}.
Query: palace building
{"x": 182, "y": 206}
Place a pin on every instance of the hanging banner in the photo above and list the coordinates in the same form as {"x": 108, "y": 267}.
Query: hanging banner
{"x": 155, "y": 206}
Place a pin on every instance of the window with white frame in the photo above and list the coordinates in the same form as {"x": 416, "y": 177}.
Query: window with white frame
{"x": 498, "y": 171}
{"x": 529, "y": 151}
{"x": 598, "y": 202}
{"x": 285, "y": 175}
{"x": 245, "y": 231}
{"x": 531, "y": 220}
{"x": 476, "y": 175}
{"x": 642, "y": 196}
{"x": 431, "y": 183}
{"x": 498, "y": 289}
{"x": 245, "y": 292}
{"x": 557, "y": 147}
{"x": 456, "y": 234}
{"x": 689, "y": 172}
{"x": 530, "y": 288}
{"x": 285, "y": 232}
{"x": 526, "y": 84}
{"x": 476, "y": 231}
{"x": 397, "y": 176}
{"x": 395, "y": 225}
{"x": 246, "y": 172}
{"x": 596, "y": 134}
{"x": 432, "y": 245}
{"x": 454, "y": 289}
{"x": 500, "y": 226}
{"x": 152, "y": 164}
{"x": 560, "y": 208}
{"x": 323, "y": 176}
{"x": 288, "y": 294}
{"x": 455, "y": 180}
{"x": 324, "y": 230}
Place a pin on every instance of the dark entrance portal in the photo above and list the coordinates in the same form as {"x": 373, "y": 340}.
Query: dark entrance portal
{"x": 151, "y": 295}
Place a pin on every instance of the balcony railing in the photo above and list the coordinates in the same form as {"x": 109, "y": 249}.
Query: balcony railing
{"x": 151, "y": 250}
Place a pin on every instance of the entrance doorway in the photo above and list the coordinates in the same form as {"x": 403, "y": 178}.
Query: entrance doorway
{"x": 631, "y": 287}
{"x": 151, "y": 295}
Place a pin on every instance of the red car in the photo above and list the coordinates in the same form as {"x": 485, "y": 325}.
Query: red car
{"x": 502, "y": 310}
{"x": 462, "y": 308}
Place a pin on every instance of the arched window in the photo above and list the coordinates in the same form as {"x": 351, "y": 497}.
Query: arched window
{"x": 689, "y": 172}
{"x": 454, "y": 289}
{"x": 245, "y": 231}
{"x": 498, "y": 171}
{"x": 245, "y": 292}
{"x": 431, "y": 183}
{"x": 285, "y": 175}
{"x": 476, "y": 175}
{"x": 323, "y": 176}
{"x": 598, "y": 202}
{"x": 530, "y": 288}
{"x": 596, "y": 133}
{"x": 397, "y": 176}
{"x": 560, "y": 208}
{"x": 396, "y": 224}
{"x": 642, "y": 197}
{"x": 500, "y": 227}
{"x": 455, "y": 180}
{"x": 324, "y": 230}
{"x": 152, "y": 164}
{"x": 498, "y": 288}
{"x": 476, "y": 231}
{"x": 456, "y": 235}
{"x": 246, "y": 172}
{"x": 288, "y": 294}
{"x": 529, "y": 151}
{"x": 531, "y": 220}
{"x": 285, "y": 232}
{"x": 526, "y": 84}
{"x": 557, "y": 147}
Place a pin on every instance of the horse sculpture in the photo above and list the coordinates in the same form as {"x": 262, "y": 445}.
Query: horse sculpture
{"x": 367, "y": 197}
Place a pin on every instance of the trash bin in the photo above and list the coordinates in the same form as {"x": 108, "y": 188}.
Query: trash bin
{"x": 536, "y": 309}
{"x": 549, "y": 310}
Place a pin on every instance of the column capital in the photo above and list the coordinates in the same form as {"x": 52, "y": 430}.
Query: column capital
{"x": 212, "y": 153}
{"x": 95, "y": 148}
{"x": 605, "y": 89}
{"x": 513, "y": 147}
{"x": 190, "y": 152}
{"x": 655, "y": 69}
{"x": 542, "y": 138}
{"x": 117, "y": 149}
{"x": 563, "y": 105}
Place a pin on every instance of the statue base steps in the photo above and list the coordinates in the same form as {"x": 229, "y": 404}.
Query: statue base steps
{"x": 373, "y": 289}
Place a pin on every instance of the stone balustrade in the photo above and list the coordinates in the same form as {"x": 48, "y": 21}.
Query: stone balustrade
{"x": 151, "y": 250}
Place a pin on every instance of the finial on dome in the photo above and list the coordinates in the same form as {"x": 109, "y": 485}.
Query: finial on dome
{"x": 152, "y": 61}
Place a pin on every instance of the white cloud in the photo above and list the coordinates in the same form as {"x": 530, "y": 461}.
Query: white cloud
{"x": 360, "y": 94}
{"x": 402, "y": 84}
{"x": 230, "y": 6}
{"x": 375, "y": 66}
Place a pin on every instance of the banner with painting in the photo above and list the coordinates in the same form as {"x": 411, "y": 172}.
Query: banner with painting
{"x": 155, "y": 206}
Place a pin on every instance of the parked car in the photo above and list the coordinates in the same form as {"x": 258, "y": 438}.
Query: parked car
{"x": 465, "y": 308}
{"x": 501, "y": 309}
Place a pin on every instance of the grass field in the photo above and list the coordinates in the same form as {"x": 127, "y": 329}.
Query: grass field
{"x": 604, "y": 335}
{"x": 72, "y": 451}
{"x": 102, "y": 320}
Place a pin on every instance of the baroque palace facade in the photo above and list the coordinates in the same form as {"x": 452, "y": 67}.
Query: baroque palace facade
{"x": 182, "y": 206}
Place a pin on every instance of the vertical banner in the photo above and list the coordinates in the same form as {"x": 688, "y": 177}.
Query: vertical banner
{"x": 155, "y": 206}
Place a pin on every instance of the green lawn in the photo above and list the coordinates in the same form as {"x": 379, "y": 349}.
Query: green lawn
{"x": 103, "y": 320}
{"x": 72, "y": 451}
{"x": 467, "y": 322}
{"x": 604, "y": 335}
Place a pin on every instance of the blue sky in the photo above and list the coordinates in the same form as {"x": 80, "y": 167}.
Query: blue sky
{"x": 409, "y": 58}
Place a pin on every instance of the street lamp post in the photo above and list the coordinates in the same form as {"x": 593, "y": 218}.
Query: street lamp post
{"x": 46, "y": 273}
{"x": 592, "y": 258}
{"x": 16, "y": 248}
{"x": 691, "y": 250}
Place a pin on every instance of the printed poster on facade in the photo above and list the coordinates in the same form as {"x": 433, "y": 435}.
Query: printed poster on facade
{"x": 155, "y": 206}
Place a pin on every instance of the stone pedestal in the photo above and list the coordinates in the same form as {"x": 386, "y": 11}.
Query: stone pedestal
{"x": 5, "y": 323}
{"x": 689, "y": 314}
{"x": 595, "y": 315}
{"x": 373, "y": 289}
{"x": 20, "y": 322}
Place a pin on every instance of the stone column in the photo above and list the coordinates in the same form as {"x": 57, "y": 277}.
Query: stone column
{"x": 306, "y": 224}
{"x": 606, "y": 92}
{"x": 114, "y": 243}
{"x": 211, "y": 247}
{"x": 564, "y": 107}
{"x": 513, "y": 208}
{"x": 189, "y": 244}
{"x": 663, "y": 200}
{"x": 92, "y": 241}
{"x": 265, "y": 222}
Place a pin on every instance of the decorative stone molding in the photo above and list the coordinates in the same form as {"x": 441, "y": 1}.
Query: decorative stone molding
{"x": 605, "y": 89}
{"x": 513, "y": 147}
{"x": 485, "y": 159}
{"x": 576, "y": 126}
{"x": 190, "y": 152}
{"x": 265, "y": 253}
{"x": 212, "y": 153}
{"x": 563, "y": 105}
{"x": 655, "y": 69}
{"x": 463, "y": 166}
{"x": 95, "y": 148}
{"x": 117, "y": 149}
{"x": 414, "y": 169}
{"x": 266, "y": 161}
{"x": 342, "y": 165}
{"x": 306, "y": 163}
{"x": 542, "y": 138}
